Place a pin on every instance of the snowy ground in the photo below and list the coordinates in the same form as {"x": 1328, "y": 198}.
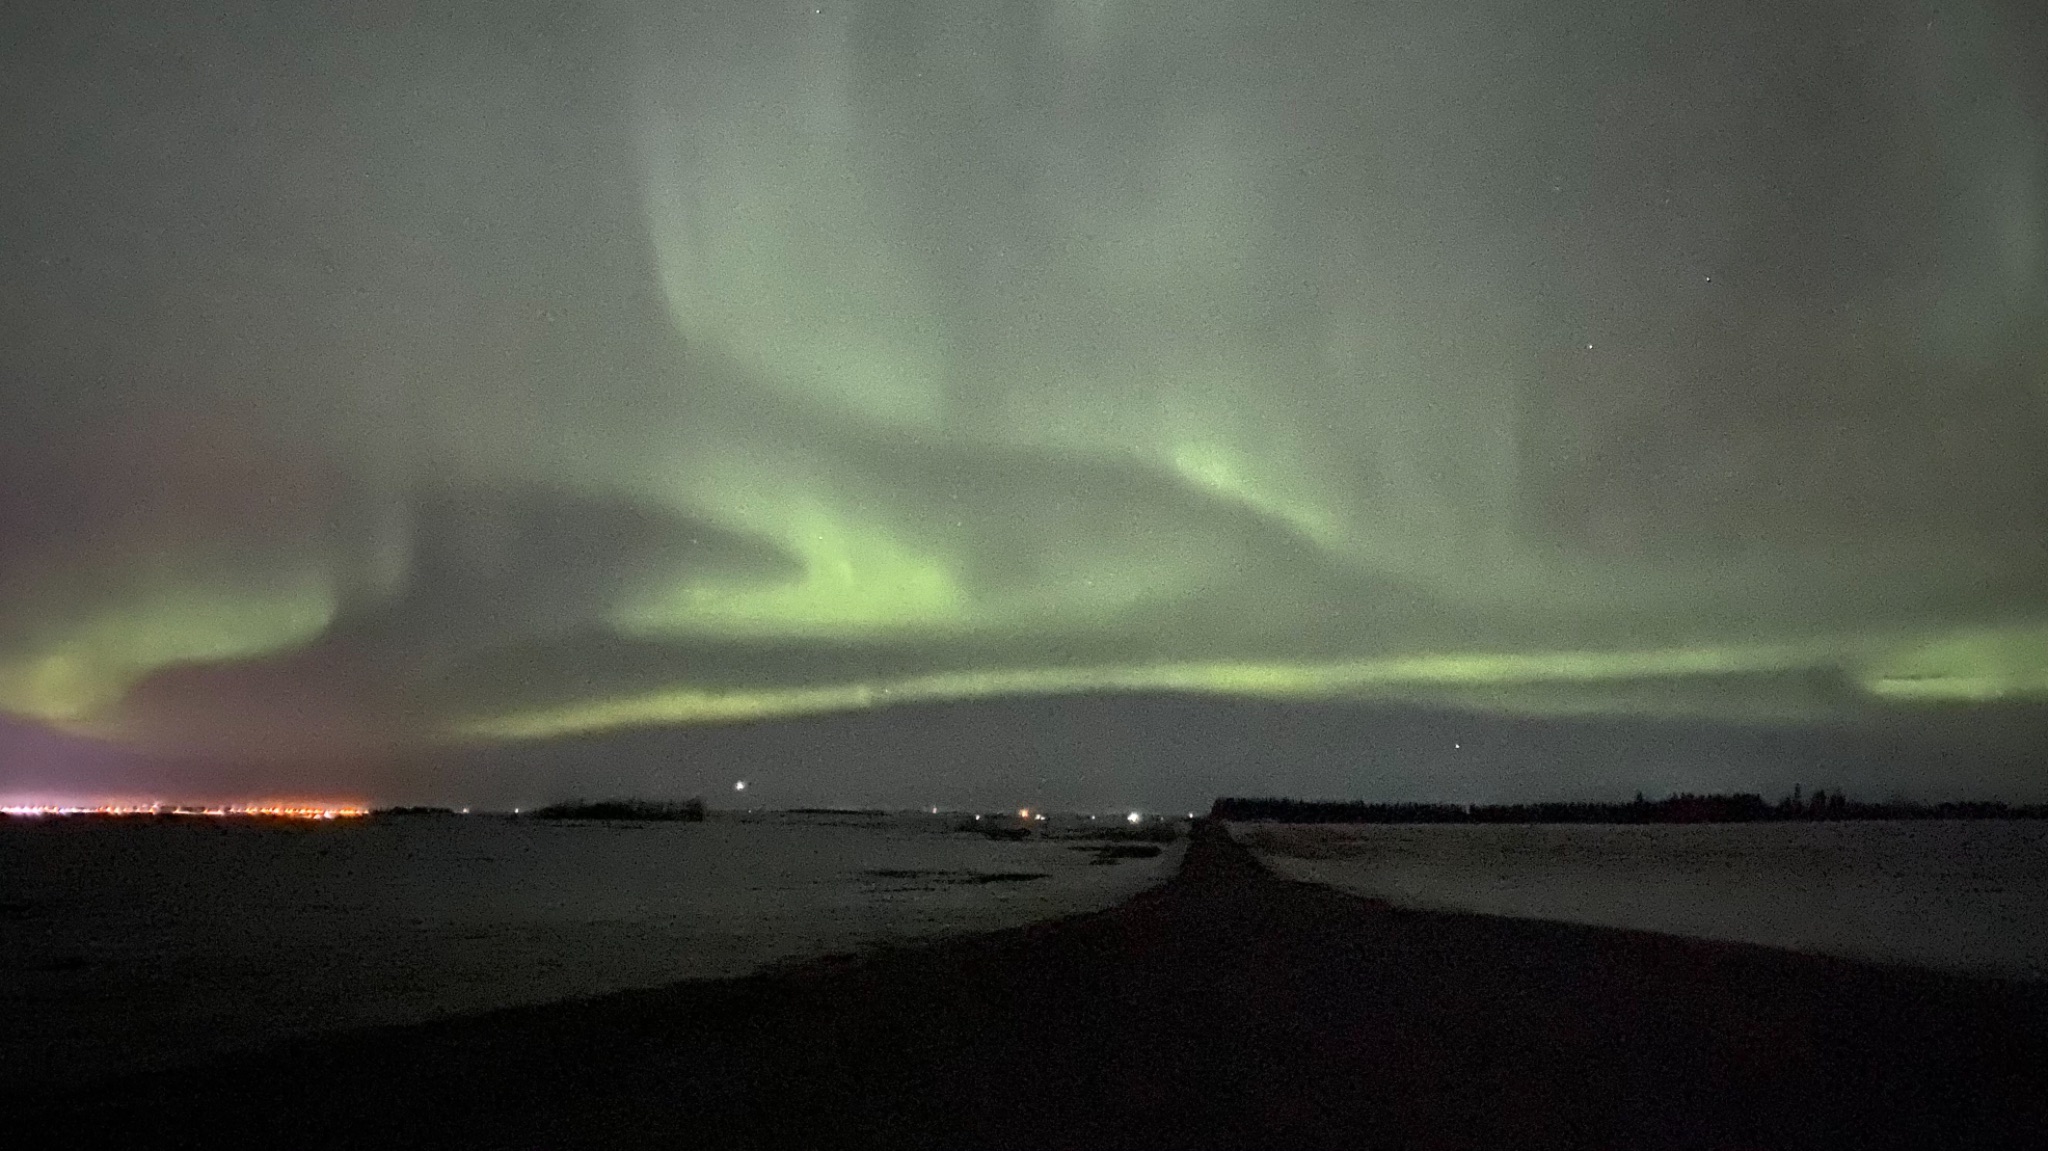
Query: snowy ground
{"x": 125, "y": 945}
{"x": 1965, "y": 896}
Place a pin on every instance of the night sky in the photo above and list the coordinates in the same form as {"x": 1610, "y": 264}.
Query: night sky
{"x": 376, "y": 377}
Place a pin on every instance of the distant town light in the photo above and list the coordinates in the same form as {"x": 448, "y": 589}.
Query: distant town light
{"x": 977, "y": 819}
{"x": 1134, "y": 817}
{"x": 269, "y": 810}
{"x": 1023, "y": 813}
{"x": 1039, "y": 818}
{"x": 739, "y": 785}
{"x": 465, "y": 811}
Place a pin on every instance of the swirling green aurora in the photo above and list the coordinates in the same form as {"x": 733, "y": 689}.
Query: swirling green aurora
{"x": 496, "y": 371}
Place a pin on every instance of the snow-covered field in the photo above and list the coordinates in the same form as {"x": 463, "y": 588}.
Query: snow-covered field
{"x": 1962, "y": 896}
{"x": 132, "y": 944}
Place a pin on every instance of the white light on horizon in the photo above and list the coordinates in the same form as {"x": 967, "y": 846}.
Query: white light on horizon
{"x": 1134, "y": 817}
{"x": 739, "y": 785}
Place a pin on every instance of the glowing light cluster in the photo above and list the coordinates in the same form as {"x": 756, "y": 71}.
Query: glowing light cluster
{"x": 217, "y": 811}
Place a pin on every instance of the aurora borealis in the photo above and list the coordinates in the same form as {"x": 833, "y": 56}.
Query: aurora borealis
{"x": 383, "y": 374}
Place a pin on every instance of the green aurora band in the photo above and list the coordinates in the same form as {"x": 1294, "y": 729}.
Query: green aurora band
{"x": 927, "y": 350}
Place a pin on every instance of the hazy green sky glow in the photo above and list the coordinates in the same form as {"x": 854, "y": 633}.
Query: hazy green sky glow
{"x": 515, "y": 369}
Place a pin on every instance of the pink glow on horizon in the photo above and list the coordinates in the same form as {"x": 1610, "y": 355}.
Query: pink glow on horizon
{"x": 261, "y": 809}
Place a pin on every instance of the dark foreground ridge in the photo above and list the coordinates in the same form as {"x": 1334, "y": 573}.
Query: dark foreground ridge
{"x": 1228, "y": 1008}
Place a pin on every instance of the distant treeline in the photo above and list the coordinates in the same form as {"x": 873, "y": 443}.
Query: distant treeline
{"x": 1685, "y": 808}
{"x": 685, "y": 811}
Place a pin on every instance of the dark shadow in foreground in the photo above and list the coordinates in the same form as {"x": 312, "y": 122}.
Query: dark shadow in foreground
{"x": 1226, "y": 1009}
